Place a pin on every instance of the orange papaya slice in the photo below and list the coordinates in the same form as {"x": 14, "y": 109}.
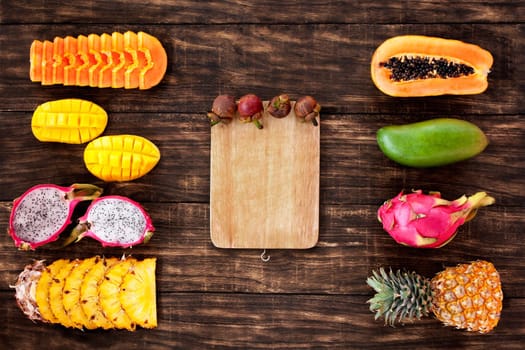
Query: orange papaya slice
{"x": 58, "y": 60}
{"x": 35, "y": 54}
{"x": 47, "y": 63}
{"x": 416, "y": 65}
{"x": 131, "y": 47}
{"x": 83, "y": 61}
{"x": 97, "y": 59}
{"x": 70, "y": 60}
{"x": 120, "y": 60}
{"x": 156, "y": 58}
{"x": 119, "y": 68}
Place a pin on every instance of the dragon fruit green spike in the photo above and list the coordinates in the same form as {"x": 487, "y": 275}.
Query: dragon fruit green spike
{"x": 114, "y": 221}
{"x": 427, "y": 220}
{"x": 44, "y": 211}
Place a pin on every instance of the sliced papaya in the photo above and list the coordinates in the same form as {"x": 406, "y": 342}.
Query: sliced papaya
{"x": 416, "y": 65}
{"x": 72, "y": 121}
{"x": 120, "y": 157}
{"x": 120, "y": 60}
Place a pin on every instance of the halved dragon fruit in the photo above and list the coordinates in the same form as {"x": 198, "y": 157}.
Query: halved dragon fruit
{"x": 427, "y": 220}
{"x": 114, "y": 221}
{"x": 44, "y": 211}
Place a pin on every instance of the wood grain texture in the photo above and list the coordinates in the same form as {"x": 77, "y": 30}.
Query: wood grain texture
{"x": 206, "y": 60}
{"x": 264, "y": 183}
{"x": 210, "y": 298}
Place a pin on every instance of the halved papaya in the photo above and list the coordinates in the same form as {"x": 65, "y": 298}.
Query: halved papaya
{"x": 129, "y": 60}
{"x": 416, "y": 65}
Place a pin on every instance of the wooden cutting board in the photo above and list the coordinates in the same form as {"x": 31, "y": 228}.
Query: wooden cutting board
{"x": 264, "y": 185}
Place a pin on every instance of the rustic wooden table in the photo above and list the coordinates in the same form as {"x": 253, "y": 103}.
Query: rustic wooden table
{"x": 300, "y": 299}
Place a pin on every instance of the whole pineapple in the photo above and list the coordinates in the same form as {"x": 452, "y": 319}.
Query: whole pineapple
{"x": 467, "y": 296}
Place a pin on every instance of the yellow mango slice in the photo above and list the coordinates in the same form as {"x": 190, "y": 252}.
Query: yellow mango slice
{"x": 121, "y": 157}
{"x": 72, "y": 121}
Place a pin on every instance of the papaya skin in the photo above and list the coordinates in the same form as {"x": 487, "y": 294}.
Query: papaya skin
{"x": 431, "y": 143}
{"x": 418, "y": 45}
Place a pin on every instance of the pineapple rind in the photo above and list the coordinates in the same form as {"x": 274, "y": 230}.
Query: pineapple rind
{"x": 468, "y": 296}
{"x": 138, "y": 293}
{"x": 42, "y": 289}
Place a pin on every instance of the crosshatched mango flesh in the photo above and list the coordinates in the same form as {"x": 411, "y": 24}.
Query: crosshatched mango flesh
{"x": 121, "y": 157}
{"x": 120, "y": 60}
{"x": 72, "y": 121}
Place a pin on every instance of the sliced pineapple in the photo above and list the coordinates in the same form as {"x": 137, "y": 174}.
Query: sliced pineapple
{"x": 137, "y": 293}
{"x": 56, "y": 291}
{"x": 71, "y": 296}
{"x": 89, "y": 298}
{"x": 42, "y": 289}
{"x": 109, "y": 291}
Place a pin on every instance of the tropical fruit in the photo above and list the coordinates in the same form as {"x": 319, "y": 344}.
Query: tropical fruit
{"x": 44, "y": 211}
{"x": 114, "y": 221}
{"x": 417, "y": 65}
{"x": 120, "y": 60}
{"x": 91, "y": 293}
{"x": 431, "y": 143}
{"x": 121, "y": 157}
{"x": 427, "y": 220}
{"x": 70, "y": 120}
{"x": 468, "y": 296}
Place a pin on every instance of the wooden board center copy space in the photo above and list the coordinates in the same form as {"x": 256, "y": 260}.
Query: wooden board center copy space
{"x": 264, "y": 185}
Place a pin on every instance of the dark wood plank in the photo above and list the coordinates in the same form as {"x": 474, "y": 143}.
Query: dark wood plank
{"x": 328, "y": 61}
{"x": 353, "y": 170}
{"x": 351, "y": 244}
{"x": 267, "y": 11}
{"x": 255, "y": 321}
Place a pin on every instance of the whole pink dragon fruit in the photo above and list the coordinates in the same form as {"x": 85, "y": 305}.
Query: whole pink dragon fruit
{"x": 114, "y": 221}
{"x": 428, "y": 221}
{"x": 44, "y": 211}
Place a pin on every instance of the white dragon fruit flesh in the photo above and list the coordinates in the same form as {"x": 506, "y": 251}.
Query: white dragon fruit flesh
{"x": 40, "y": 214}
{"x": 427, "y": 220}
{"x": 114, "y": 221}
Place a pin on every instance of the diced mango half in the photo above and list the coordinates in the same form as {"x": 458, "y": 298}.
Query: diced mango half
{"x": 121, "y": 157}
{"x": 72, "y": 121}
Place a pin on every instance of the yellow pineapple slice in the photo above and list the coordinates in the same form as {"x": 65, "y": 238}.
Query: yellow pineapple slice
{"x": 43, "y": 286}
{"x": 89, "y": 296}
{"x": 109, "y": 291}
{"x": 137, "y": 293}
{"x": 71, "y": 296}
{"x": 56, "y": 290}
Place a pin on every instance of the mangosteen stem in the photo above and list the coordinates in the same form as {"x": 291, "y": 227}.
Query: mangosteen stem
{"x": 257, "y": 123}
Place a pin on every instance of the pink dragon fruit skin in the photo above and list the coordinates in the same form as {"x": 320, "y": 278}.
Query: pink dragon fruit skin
{"x": 40, "y": 214}
{"x": 427, "y": 220}
{"x": 114, "y": 221}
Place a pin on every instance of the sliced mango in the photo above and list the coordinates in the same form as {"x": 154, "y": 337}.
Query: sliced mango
{"x": 72, "y": 121}
{"x": 121, "y": 60}
{"x": 121, "y": 157}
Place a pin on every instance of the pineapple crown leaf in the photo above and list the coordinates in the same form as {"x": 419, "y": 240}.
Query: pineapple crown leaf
{"x": 400, "y": 296}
